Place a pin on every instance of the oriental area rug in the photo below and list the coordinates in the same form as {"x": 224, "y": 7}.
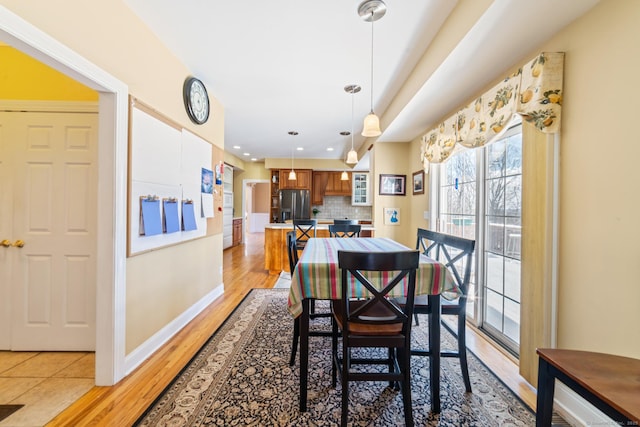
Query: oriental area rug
{"x": 242, "y": 377}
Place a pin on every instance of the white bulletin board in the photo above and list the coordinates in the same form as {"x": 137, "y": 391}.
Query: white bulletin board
{"x": 165, "y": 162}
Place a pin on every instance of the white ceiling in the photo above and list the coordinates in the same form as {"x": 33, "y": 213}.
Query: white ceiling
{"x": 282, "y": 65}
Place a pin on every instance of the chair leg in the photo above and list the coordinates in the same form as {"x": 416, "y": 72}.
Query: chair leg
{"x": 405, "y": 364}
{"x": 334, "y": 352}
{"x": 462, "y": 352}
{"x": 346, "y": 363}
{"x": 391, "y": 363}
{"x": 294, "y": 344}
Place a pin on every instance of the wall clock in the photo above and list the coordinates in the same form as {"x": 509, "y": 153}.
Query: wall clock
{"x": 196, "y": 100}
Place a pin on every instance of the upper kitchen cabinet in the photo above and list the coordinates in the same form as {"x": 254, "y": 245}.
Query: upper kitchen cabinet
{"x": 302, "y": 181}
{"x": 336, "y": 186}
{"x": 320, "y": 179}
{"x": 361, "y": 195}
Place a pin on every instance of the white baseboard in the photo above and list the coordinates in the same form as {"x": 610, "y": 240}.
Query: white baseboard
{"x": 577, "y": 411}
{"x": 150, "y": 346}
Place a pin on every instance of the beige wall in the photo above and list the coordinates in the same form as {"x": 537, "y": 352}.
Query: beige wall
{"x": 599, "y": 261}
{"x": 391, "y": 158}
{"x": 112, "y": 37}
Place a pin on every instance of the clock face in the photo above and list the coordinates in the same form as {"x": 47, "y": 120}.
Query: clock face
{"x": 196, "y": 100}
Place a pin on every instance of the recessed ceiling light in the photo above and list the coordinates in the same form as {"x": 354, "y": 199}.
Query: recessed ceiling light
{"x": 253, "y": 159}
{"x": 246, "y": 154}
{"x": 237, "y": 147}
{"x": 329, "y": 148}
{"x": 300, "y": 149}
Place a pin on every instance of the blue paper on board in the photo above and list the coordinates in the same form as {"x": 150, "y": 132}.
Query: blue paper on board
{"x": 188, "y": 217}
{"x": 171, "y": 218}
{"x": 150, "y": 222}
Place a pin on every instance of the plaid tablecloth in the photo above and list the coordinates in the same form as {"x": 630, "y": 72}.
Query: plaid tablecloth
{"x": 317, "y": 274}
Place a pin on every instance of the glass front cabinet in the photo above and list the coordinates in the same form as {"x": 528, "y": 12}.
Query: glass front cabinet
{"x": 361, "y": 193}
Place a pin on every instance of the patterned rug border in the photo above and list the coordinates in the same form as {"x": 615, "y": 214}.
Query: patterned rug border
{"x": 194, "y": 358}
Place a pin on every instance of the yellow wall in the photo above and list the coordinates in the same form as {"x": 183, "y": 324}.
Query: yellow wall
{"x": 112, "y": 37}
{"x": 391, "y": 158}
{"x": 24, "y": 78}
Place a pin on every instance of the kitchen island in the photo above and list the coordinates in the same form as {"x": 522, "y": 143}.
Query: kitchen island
{"x": 275, "y": 242}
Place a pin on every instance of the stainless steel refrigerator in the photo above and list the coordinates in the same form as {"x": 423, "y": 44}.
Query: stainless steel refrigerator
{"x": 294, "y": 204}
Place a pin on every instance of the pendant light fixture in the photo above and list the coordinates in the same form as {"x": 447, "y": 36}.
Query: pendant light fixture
{"x": 352, "y": 156}
{"x": 292, "y": 174}
{"x": 370, "y": 11}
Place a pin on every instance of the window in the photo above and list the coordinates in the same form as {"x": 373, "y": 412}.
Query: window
{"x": 480, "y": 197}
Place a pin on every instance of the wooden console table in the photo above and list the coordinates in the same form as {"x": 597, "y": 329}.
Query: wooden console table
{"x": 610, "y": 383}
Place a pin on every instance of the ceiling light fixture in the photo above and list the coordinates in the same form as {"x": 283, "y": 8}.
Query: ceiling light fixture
{"x": 370, "y": 11}
{"x": 352, "y": 156}
{"x": 344, "y": 176}
{"x": 292, "y": 174}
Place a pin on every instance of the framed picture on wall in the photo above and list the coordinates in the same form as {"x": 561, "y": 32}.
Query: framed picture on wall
{"x": 418, "y": 182}
{"x": 391, "y": 216}
{"x": 392, "y": 185}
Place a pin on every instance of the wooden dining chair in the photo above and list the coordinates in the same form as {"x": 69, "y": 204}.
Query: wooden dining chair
{"x": 306, "y": 229}
{"x": 292, "y": 253}
{"x": 374, "y": 322}
{"x": 456, "y": 253}
{"x": 344, "y": 230}
{"x": 345, "y": 221}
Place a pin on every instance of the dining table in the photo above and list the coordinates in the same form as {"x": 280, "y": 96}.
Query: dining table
{"x": 317, "y": 276}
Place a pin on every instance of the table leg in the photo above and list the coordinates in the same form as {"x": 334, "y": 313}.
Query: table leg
{"x": 546, "y": 388}
{"x": 304, "y": 353}
{"x": 434, "y": 347}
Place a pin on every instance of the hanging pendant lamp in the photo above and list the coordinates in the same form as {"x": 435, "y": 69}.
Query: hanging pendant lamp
{"x": 352, "y": 156}
{"x": 292, "y": 174}
{"x": 370, "y": 11}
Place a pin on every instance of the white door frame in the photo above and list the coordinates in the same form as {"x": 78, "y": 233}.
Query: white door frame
{"x": 112, "y": 184}
{"x": 246, "y": 182}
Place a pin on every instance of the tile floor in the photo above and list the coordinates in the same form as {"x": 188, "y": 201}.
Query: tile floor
{"x": 46, "y": 383}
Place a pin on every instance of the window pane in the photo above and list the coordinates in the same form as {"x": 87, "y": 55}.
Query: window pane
{"x": 513, "y": 237}
{"x": 495, "y": 159}
{"x": 494, "y": 271}
{"x": 494, "y": 240}
{"x": 493, "y": 316}
{"x": 495, "y": 196}
{"x": 468, "y": 198}
{"x": 512, "y": 279}
{"x": 512, "y": 320}
{"x": 514, "y": 155}
{"x": 513, "y": 196}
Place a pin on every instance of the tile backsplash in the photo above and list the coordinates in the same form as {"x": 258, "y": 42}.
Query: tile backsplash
{"x": 336, "y": 207}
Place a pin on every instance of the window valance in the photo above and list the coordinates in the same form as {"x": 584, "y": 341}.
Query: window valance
{"x": 534, "y": 92}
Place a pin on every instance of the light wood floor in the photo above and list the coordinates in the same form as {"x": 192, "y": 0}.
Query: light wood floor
{"x": 122, "y": 404}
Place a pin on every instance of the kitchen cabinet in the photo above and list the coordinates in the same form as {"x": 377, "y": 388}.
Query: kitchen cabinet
{"x": 361, "y": 195}
{"x": 302, "y": 181}
{"x": 320, "y": 179}
{"x": 336, "y": 186}
{"x": 275, "y": 186}
{"x": 237, "y": 231}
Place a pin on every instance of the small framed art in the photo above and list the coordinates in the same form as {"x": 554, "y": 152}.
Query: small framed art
{"x": 418, "y": 182}
{"x": 392, "y": 185}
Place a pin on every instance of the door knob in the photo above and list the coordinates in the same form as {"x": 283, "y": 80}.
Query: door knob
{"x": 18, "y": 243}
{"x": 6, "y": 243}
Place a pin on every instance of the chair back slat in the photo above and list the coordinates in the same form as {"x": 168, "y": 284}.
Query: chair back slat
{"x": 345, "y": 221}
{"x": 442, "y": 247}
{"x": 344, "y": 230}
{"x": 306, "y": 229}
{"x": 402, "y": 267}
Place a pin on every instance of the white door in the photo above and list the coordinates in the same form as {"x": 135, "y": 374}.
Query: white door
{"x": 51, "y": 168}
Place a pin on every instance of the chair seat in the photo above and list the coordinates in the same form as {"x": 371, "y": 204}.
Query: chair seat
{"x": 376, "y": 312}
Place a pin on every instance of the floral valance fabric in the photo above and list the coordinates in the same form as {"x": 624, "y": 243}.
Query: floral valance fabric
{"x": 534, "y": 92}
